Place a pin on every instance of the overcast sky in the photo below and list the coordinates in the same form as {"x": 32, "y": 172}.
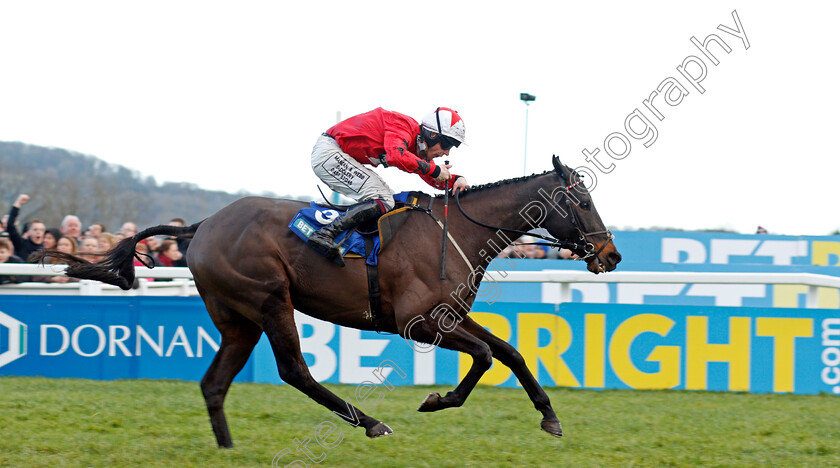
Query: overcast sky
{"x": 233, "y": 95}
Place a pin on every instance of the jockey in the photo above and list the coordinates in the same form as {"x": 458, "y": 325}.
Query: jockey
{"x": 342, "y": 154}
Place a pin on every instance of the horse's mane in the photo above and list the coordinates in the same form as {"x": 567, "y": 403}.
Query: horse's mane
{"x": 490, "y": 185}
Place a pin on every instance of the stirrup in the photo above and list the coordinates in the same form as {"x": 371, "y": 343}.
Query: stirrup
{"x": 338, "y": 260}
{"x": 332, "y": 252}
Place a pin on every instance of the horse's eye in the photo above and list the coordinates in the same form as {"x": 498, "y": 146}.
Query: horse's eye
{"x": 585, "y": 205}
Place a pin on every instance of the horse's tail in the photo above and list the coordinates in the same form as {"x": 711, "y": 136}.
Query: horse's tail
{"x": 117, "y": 266}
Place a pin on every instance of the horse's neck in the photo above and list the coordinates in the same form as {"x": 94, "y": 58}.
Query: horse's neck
{"x": 496, "y": 206}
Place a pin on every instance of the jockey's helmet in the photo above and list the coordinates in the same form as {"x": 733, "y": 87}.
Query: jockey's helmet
{"x": 448, "y": 126}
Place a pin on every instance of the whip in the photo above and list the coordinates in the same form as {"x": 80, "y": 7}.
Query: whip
{"x": 445, "y": 228}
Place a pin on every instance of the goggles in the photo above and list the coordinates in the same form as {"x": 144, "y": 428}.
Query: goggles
{"x": 448, "y": 142}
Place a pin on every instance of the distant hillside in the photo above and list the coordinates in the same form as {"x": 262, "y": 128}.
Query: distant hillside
{"x": 63, "y": 182}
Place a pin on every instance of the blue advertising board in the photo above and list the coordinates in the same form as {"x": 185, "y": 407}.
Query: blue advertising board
{"x": 106, "y": 337}
{"x": 694, "y": 252}
{"x": 598, "y": 346}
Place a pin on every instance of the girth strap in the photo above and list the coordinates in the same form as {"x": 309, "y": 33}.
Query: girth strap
{"x": 374, "y": 294}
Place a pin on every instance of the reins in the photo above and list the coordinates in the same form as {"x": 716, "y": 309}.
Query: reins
{"x": 574, "y": 247}
{"x": 583, "y": 251}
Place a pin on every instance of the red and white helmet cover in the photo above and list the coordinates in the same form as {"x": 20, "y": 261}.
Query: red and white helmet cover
{"x": 446, "y": 122}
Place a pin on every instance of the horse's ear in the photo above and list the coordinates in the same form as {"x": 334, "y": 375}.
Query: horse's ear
{"x": 558, "y": 166}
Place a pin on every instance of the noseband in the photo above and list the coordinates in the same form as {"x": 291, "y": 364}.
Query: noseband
{"x": 583, "y": 250}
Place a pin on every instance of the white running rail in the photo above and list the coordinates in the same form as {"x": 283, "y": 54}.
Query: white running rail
{"x": 182, "y": 284}
{"x": 566, "y": 278}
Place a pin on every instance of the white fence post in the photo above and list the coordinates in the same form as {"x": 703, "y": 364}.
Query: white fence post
{"x": 90, "y": 288}
{"x": 183, "y": 286}
{"x": 811, "y": 301}
{"x": 565, "y": 292}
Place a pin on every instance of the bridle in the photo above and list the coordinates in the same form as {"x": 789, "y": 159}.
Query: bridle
{"x": 588, "y": 247}
{"x": 584, "y": 250}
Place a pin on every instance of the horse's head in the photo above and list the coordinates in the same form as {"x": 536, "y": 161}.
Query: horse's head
{"x": 573, "y": 217}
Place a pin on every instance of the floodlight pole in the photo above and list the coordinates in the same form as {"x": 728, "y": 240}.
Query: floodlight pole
{"x": 527, "y": 99}
{"x": 525, "y": 159}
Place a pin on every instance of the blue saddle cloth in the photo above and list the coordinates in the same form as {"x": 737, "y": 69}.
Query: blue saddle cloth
{"x": 314, "y": 217}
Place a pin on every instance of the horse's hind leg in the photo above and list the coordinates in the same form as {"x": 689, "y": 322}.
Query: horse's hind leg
{"x": 509, "y": 356}
{"x": 239, "y": 336}
{"x": 279, "y": 326}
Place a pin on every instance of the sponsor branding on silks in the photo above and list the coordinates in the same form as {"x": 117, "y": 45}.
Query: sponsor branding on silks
{"x": 304, "y": 227}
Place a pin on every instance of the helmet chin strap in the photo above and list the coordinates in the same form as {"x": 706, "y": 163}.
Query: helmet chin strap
{"x": 421, "y": 144}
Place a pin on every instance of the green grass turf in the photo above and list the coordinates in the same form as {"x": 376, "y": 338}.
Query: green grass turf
{"x": 70, "y": 422}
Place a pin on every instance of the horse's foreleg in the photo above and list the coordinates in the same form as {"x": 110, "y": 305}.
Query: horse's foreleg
{"x": 458, "y": 339}
{"x": 279, "y": 326}
{"x": 238, "y": 340}
{"x": 509, "y": 356}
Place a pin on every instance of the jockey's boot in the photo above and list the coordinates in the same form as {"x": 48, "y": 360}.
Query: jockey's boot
{"x": 324, "y": 238}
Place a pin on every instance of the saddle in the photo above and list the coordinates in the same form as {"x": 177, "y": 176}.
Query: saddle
{"x": 352, "y": 243}
{"x": 365, "y": 241}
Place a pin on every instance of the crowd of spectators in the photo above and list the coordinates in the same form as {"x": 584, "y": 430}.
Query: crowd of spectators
{"x": 18, "y": 244}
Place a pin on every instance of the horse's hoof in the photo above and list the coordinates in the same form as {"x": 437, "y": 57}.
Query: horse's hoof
{"x": 552, "y": 427}
{"x": 379, "y": 430}
{"x": 431, "y": 403}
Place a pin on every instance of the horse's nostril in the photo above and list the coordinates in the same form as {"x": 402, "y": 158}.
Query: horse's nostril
{"x": 615, "y": 257}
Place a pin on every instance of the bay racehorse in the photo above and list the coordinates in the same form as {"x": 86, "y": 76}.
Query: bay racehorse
{"x": 252, "y": 273}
